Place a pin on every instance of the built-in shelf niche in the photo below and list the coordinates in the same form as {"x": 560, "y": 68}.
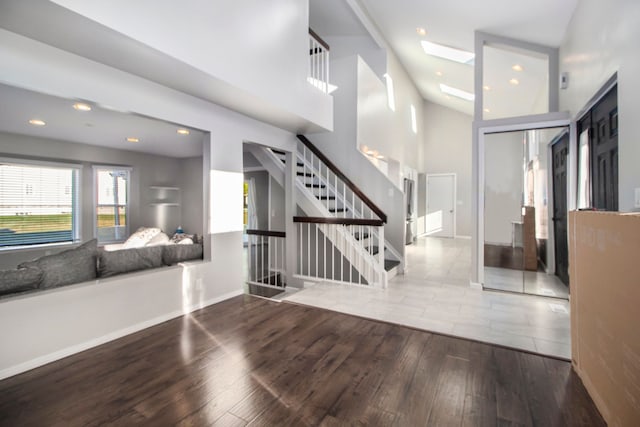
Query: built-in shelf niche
{"x": 163, "y": 195}
{"x": 165, "y": 201}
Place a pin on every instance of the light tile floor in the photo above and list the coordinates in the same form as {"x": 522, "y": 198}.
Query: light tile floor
{"x": 434, "y": 295}
{"x": 532, "y": 282}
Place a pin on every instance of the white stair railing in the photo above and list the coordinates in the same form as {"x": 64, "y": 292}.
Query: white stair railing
{"x": 266, "y": 258}
{"x": 343, "y": 209}
{"x": 341, "y": 250}
{"x": 318, "y": 63}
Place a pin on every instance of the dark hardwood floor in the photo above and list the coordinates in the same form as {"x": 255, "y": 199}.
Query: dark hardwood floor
{"x": 250, "y": 361}
{"x": 503, "y": 257}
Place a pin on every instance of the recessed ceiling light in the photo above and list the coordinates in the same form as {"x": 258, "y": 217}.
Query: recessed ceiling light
{"x": 132, "y": 139}
{"x": 458, "y": 93}
{"x": 517, "y": 67}
{"x": 421, "y": 31}
{"x": 486, "y": 110}
{"x": 439, "y": 73}
{"x": 486, "y": 87}
{"x": 379, "y": 156}
{"x": 183, "y": 131}
{"x": 514, "y": 82}
{"x": 37, "y": 122}
{"x": 82, "y": 107}
{"x": 446, "y": 52}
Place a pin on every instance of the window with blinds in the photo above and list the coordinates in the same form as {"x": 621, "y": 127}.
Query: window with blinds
{"x": 38, "y": 203}
{"x": 112, "y": 204}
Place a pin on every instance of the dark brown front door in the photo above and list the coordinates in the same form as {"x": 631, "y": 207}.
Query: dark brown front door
{"x": 560, "y": 152}
{"x": 602, "y": 120}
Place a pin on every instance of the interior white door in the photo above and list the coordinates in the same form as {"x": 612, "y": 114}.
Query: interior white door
{"x": 440, "y": 205}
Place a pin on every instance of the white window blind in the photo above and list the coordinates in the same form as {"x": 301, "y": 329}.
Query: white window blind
{"x": 38, "y": 203}
{"x": 112, "y": 204}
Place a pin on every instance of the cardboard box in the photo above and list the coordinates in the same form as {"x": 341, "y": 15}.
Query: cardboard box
{"x": 604, "y": 259}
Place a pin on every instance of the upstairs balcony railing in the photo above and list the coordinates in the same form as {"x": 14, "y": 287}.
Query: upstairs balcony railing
{"x": 318, "y": 63}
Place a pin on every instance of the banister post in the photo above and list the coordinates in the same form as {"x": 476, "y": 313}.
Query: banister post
{"x": 381, "y": 253}
{"x": 291, "y": 255}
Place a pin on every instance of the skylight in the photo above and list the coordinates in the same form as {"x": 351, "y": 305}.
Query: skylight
{"x": 446, "y": 52}
{"x": 391, "y": 97}
{"x": 458, "y": 93}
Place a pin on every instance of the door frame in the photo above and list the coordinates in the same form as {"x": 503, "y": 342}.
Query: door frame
{"x": 486, "y": 127}
{"x": 551, "y": 241}
{"x": 455, "y": 198}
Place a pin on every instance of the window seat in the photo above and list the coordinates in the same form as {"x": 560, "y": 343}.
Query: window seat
{"x": 86, "y": 263}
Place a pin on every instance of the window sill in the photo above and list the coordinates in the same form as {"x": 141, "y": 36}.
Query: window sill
{"x": 42, "y": 246}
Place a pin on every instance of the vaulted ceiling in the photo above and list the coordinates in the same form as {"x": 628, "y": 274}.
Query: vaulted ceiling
{"x": 453, "y": 23}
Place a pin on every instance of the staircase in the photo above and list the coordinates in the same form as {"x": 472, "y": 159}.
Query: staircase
{"x": 341, "y": 238}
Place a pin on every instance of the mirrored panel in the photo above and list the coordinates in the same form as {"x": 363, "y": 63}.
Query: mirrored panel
{"x": 525, "y": 211}
{"x": 515, "y": 82}
{"x": 503, "y": 219}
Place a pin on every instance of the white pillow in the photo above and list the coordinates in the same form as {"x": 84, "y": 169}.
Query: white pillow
{"x": 158, "y": 240}
{"x": 141, "y": 237}
{"x": 186, "y": 241}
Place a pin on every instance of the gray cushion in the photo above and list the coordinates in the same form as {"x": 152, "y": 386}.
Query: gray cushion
{"x": 173, "y": 254}
{"x": 127, "y": 260}
{"x": 20, "y": 280}
{"x": 71, "y": 266}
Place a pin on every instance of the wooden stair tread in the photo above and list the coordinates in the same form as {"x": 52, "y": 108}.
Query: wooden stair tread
{"x": 389, "y": 264}
{"x": 358, "y": 237}
{"x": 299, "y": 164}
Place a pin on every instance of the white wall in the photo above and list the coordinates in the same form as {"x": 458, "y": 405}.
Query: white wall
{"x": 277, "y": 214}
{"x": 503, "y": 184}
{"x": 190, "y": 183}
{"x": 602, "y": 38}
{"x": 45, "y": 327}
{"x": 259, "y": 47}
{"x": 363, "y": 46}
{"x": 385, "y": 131}
{"x": 447, "y": 149}
{"x": 406, "y": 94}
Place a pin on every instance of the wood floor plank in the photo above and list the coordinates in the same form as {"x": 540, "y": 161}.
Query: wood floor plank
{"x": 395, "y": 386}
{"x": 448, "y": 404}
{"x": 511, "y": 403}
{"x": 250, "y": 361}
{"x": 364, "y": 373}
{"x": 480, "y": 407}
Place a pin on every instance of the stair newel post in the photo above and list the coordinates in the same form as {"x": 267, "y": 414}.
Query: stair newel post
{"x": 381, "y": 270}
{"x": 289, "y": 212}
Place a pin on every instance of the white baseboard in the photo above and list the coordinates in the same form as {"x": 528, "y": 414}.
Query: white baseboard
{"x": 474, "y": 285}
{"x": 65, "y": 352}
{"x": 462, "y": 236}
